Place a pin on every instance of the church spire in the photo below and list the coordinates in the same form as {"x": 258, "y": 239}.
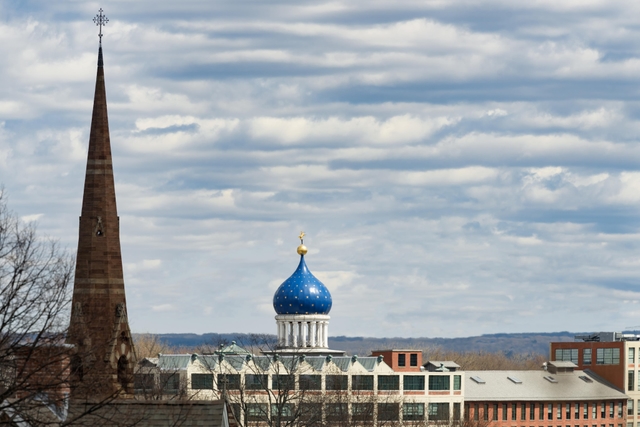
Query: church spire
{"x": 103, "y": 364}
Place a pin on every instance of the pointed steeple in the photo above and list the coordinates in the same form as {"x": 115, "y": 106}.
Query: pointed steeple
{"x": 103, "y": 364}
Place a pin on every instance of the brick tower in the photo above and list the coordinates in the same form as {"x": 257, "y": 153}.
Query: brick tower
{"x": 103, "y": 363}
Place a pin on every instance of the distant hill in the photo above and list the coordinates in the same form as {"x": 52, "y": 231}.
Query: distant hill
{"x": 507, "y": 344}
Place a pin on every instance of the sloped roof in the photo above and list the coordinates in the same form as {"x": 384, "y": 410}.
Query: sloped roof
{"x": 174, "y": 361}
{"x": 237, "y": 362}
{"x": 262, "y": 362}
{"x": 208, "y": 361}
{"x": 151, "y": 413}
{"x": 446, "y": 363}
{"x": 316, "y": 362}
{"x": 368, "y": 363}
{"x": 344, "y": 363}
{"x": 563, "y": 364}
{"x": 232, "y": 348}
{"x": 532, "y": 385}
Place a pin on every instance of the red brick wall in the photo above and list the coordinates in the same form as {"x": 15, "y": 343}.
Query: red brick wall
{"x": 497, "y": 420}
{"x": 612, "y": 373}
{"x": 391, "y": 359}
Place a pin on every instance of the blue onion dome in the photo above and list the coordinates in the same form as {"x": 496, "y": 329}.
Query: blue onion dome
{"x": 302, "y": 293}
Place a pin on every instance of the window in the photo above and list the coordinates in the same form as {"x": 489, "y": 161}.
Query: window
{"x": 255, "y": 382}
{"x": 413, "y": 382}
{"x": 638, "y": 408}
{"x": 143, "y": 382}
{"x": 559, "y": 412}
{"x": 549, "y": 411}
{"x": 603, "y": 410}
{"x": 283, "y": 382}
{"x": 311, "y": 413}
{"x": 388, "y": 412}
{"x": 235, "y": 410}
{"x": 567, "y": 413}
{"x": 630, "y": 407}
{"x": 567, "y": 354}
{"x": 440, "y": 411}
{"x": 336, "y": 411}
{"x": 619, "y": 409}
{"x": 362, "y": 411}
{"x": 541, "y": 415}
{"x": 457, "y": 382}
{"x": 514, "y": 411}
{"x": 476, "y": 413}
{"x": 485, "y": 414}
{"x": 585, "y": 411}
{"x": 608, "y": 356}
{"x": 504, "y": 412}
{"x": 310, "y": 382}
{"x": 388, "y": 382}
{"x": 438, "y": 382}
{"x": 523, "y": 412}
{"x": 532, "y": 411}
{"x": 257, "y": 412}
{"x": 495, "y": 412}
{"x": 336, "y": 382}
{"x": 611, "y": 409}
{"x": 413, "y": 411}
{"x": 228, "y": 382}
{"x": 631, "y": 355}
{"x": 202, "y": 381}
{"x": 594, "y": 411}
{"x": 402, "y": 360}
{"x": 170, "y": 383}
{"x": 586, "y": 356}
{"x": 577, "y": 412}
{"x": 413, "y": 359}
{"x": 630, "y": 384}
{"x": 362, "y": 382}
{"x": 283, "y": 411}
{"x": 456, "y": 411}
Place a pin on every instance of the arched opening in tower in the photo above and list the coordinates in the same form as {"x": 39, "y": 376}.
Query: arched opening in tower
{"x": 77, "y": 370}
{"x": 123, "y": 372}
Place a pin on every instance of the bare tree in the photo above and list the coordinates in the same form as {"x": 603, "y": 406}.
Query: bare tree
{"x": 34, "y": 299}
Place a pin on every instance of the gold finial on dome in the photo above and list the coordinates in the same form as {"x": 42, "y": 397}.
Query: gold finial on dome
{"x": 302, "y": 249}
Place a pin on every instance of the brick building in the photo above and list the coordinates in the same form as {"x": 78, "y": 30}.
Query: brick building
{"x": 611, "y": 355}
{"x": 558, "y": 396}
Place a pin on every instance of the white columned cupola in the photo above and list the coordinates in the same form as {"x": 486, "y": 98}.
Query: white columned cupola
{"x": 302, "y": 304}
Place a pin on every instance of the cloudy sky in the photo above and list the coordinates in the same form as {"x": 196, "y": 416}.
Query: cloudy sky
{"x": 460, "y": 167}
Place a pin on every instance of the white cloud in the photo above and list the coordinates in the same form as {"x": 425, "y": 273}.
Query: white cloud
{"x": 441, "y": 160}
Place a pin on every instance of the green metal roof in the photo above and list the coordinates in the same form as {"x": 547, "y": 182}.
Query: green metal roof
{"x": 173, "y": 361}
{"x": 230, "y": 349}
{"x": 369, "y": 363}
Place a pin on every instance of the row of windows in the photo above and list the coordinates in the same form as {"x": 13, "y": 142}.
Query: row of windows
{"x": 632, "y": 378}
{"x": 633, "y": 407}
{"x": 604, "y": 356}
{"x": 305, "y": 382}
{"x": 340, "y": 411}
{"x": 413, "y": 359}
{"x": 593, "y": 425}
{"x": 549, "y": 411}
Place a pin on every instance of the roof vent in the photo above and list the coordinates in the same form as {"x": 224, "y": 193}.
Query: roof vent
{"x": 478, "y": 380}
{"x": 550, "y": 379}
{"x": 586, "y": 379}
{"x": 515, "y": 380}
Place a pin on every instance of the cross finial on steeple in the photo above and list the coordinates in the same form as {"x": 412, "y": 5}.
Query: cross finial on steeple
{"x": 100, "y": 21}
